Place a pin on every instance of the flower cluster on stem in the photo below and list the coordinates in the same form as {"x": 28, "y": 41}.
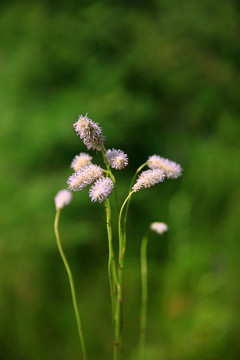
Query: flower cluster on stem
{"x": 102, "y": 182}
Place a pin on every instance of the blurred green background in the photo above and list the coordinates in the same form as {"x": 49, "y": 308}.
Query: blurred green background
{"x": 161, "y": 77}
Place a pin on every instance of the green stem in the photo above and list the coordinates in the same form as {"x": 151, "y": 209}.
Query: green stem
{"x": 74, "y": 300}
{"x": 112, "y": 274}
{"x": 143, "y": 316}
{"x": 109, "y": 227}
{"x": 130, "y": 188}
{"x": 117, "y": 323}
{"x": 121, "y": 232}
{"x": 122, "y": 248}
{"x": 124, "y": 244}
{"x": 109, "y": 232}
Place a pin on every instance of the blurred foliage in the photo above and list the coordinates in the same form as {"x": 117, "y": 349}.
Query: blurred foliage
{"x": 160, "y": 77}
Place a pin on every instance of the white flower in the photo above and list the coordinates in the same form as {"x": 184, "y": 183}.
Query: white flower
{"x": 90, "y": 133}
{"x": 101, "y": 189}
{"x": 84, "y": 177}
{"x": 62, "y": 199}
{"x": 159, "y": 227}
{"x": 171, "y": 168}
{"x": 149, "y": 178}
{"x": 116, "y": 158}
{"x": 80, "y": 160}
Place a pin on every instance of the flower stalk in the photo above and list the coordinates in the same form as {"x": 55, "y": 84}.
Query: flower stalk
{"x": 128, "y": 203}
{"x": 102, "y": 183}
{"x": 112, "y": 274}
{"x": 122, "y": 249}
{"x": 73, "y": 292}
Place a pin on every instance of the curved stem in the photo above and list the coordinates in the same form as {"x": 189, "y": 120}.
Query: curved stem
{"x": 130, "y": 188}
{"x": 112, "y": 263}
{"x": 112, "y": 274}
{"x": 121, "y": 233}
{"x": 143, "y": 316}
{"x": 73, "y": 292}
{"x": 136, "y": 174}
{"x": 122, "y": 248}
{"x": 123, "y": 242}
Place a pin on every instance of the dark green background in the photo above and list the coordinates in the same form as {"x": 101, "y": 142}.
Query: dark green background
{"x": 161, "y": 77}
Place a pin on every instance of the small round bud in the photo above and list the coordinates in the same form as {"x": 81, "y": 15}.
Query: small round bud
{"x": 62, "y": 199}
{"x": 159, "y": 227}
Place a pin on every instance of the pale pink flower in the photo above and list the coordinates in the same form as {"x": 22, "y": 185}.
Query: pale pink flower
{"x": 148, "y": 178}
{"x": 159, "y": 227}
{"x": 90, "y": 133}
{"x": 101, "y": 189}
{"x": 84, "y": 177}
{"x": 62, "y": 199}
{"x": 116, "y": 158}
{"x": 81, "y": 160}
{"x": 171, "y": 169}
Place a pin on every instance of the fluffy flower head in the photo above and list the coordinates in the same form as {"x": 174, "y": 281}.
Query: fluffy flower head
{"x": 159, "y": 227}
{"x": 84, "y": 177}
{"x": 101, "y": 189}
{"x": 62, "y": 199}
{"x": 81, "y": 160}
{"x": 171, "y": 169}
{"x": 90, "y": 133}
{"x": 116, "y": 158}
{"x": 148, "y": 178}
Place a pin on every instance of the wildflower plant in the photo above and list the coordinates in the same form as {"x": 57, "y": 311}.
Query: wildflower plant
{"x": 102, "y": 183}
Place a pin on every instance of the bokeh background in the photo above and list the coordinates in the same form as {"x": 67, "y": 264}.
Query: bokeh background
{"x": 161, "y": 77}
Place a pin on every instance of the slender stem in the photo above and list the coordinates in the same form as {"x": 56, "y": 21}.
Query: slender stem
{"x": 143, "y": 316}
{"x": 74, "y": 300}
{"x": 121, "y": 233}
{"x": 112, "y": 274}
{"x": 117, "y": 323}
{"x": 122, "y": 248}
{"x": 112, "y": 263}
{"x": 136, "y": 174}
{"x": 109, "y": 232}
{"x": 130, "y": 188}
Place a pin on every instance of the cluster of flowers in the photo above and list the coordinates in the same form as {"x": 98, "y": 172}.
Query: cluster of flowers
{"x": 159, "y": 169}
{"x": 101, "y": 182}
{"x": 86, "y": 173}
